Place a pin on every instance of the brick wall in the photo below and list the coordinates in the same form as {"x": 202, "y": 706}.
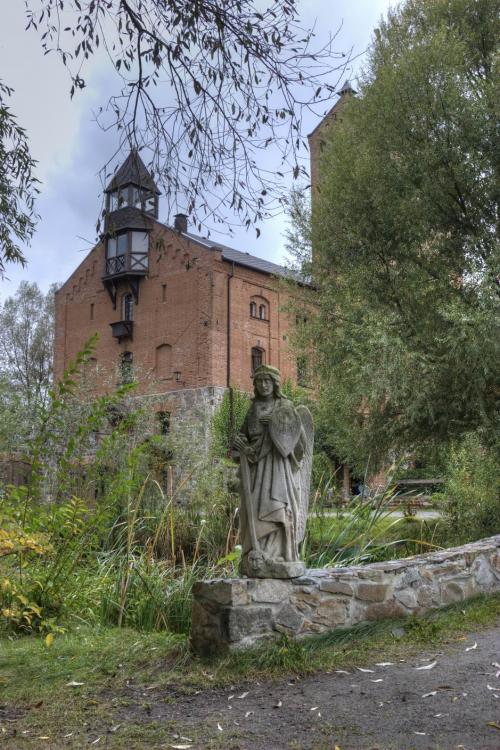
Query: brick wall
{"x": 180, "y": 321}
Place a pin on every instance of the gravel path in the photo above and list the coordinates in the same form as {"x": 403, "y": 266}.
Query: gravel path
{"x": 441, "y": 700}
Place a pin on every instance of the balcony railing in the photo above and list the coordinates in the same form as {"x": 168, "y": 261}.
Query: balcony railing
{"x": 129, "y": 263}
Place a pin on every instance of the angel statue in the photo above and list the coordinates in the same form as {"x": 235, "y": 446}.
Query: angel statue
{"x": 275, "y": 448}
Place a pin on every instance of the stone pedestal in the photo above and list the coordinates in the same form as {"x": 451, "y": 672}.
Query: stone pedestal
{"x": 235, "y": 613}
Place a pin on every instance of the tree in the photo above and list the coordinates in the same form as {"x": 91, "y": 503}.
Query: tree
{"x": 26, "y": 344}
{"x": 18, "y": 186}
{"x": 204, "y": 88}
{"x": 405, "y": 238}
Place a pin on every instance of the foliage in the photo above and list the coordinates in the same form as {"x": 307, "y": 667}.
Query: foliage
{"x": 18, "y": 186}
{"x": 26, "y": 349}
{"x": 227, "y": 421}
{"x": 470, "y": 499}
{"x": 405, "y": 236}
{"x": 204, "y": 86}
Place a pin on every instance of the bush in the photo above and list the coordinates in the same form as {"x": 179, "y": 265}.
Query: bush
{"x": 470, "y": 500}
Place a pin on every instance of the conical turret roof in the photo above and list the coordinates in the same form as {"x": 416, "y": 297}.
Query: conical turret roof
{"x": 133, "y": 171}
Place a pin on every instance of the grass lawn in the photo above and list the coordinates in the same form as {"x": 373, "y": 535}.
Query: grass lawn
{"x": 88, "y": 686}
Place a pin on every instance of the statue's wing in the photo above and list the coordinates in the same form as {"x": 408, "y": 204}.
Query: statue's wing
{"x": 305, "y": 470}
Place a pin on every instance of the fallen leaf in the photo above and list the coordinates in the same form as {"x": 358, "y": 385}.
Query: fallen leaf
{"x": 361, "y": 669}
{"x": 494, "y": 724}
{"x": 248, "y": 713}
{"x": 379, "y": 680}
{"x": 427, "y": 666}
{"x": 278, "y": 704}
{"x": 243, "y": 695}
{"x": 95, "y": 742}
{"x": 230, "y": 697}
{"x": 471, "y": 648}
{"x": 314, "y": 708}
{"x": 73, "y": 683}
{"x": 341, "y": 671}
{"x": 186, "y": 739}
{"x": 490, "y": 687}
{"x": 428, "y": 695}
{"x": 219, "y": 727}
{"x": 438, "y": 715}
{"x": 49, "y": 639}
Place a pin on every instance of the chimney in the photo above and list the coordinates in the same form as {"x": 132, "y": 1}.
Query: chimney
{"x": 181, "y": 222}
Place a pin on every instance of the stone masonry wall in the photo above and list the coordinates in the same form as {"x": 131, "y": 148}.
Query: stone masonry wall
{"x": 240, "y": 612}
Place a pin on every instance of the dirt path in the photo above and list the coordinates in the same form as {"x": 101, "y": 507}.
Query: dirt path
{"x": 400, "y": 706}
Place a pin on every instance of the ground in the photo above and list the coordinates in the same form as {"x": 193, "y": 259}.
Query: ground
{"x": 120, "y": 689}
{"x": 397, "y": 706}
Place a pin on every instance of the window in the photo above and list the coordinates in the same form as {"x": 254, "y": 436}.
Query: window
{"x": 253, "y": 310}
{"x": 128, "y": 307}
{"x": 164, "y": 422}
{"x": 257, "y": 358}
{"x": 302, "y": 371}
{"x": 140, "y": 242}
{"x": 262, "y": 312}
{"x": 126, "y": 367}
{"x": 121, "y": 244}
{"x": 163, "y": 292}
{"x": 91, "y": 311}
{"x": 111, "y": 247}
{"x": 163, "y": 361}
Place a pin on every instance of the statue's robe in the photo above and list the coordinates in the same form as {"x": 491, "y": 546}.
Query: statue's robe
{"x": 275, "y": 492}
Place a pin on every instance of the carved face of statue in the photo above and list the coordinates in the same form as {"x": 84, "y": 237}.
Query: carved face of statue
{"x": 264, "y": 386}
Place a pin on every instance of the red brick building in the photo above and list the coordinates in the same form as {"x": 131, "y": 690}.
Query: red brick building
{"x": 188, "y": 316}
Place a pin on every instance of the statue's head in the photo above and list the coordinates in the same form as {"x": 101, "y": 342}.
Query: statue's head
{"x": 267, "y": 381}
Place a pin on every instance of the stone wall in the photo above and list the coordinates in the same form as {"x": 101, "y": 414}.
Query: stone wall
{"x": 239, "y": 612}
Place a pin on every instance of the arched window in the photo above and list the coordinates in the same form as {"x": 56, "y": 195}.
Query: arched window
{"x": 163, "y": 361}
{"x": 257, "y": 357}
{"x": 127, "y": 367}
{"x": 128, "y": 307}
{"x": 262, "y": 312}
{"x": 253, "y": 310}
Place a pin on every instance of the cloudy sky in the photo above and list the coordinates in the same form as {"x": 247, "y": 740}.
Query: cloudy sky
{"x": 71, "y": 148}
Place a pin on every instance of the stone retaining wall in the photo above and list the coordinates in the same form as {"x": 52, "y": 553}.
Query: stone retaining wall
{"x": 233, "y": 613}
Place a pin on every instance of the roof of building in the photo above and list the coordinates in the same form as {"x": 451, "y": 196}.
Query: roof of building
{"x": 133, "y": 171}
{"x": 241, "y": 258}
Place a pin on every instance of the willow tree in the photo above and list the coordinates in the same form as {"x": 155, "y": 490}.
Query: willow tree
{"x": 405, "y": 237}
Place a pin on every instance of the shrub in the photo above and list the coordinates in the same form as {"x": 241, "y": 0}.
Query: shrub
{"x": 470, "y": 500}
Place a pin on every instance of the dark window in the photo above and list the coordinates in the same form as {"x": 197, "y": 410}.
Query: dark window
{"x": 262, "y": 312}
{"x": 91, "y": 311}
{"x": 164, "y": 422}
{"x": 163, "y": 292}
{"x": 253, "y": 310}
{"x": 121, "y": 244}
{"x": 302, "y": 371}
{"x": 257, "y": 358}
{"x": 128, "y": 307}
{"x": 127, "y": 367}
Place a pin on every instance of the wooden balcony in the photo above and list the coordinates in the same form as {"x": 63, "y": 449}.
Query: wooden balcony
{"x": 129, "y": 264}
{"x": 122, "y": 329}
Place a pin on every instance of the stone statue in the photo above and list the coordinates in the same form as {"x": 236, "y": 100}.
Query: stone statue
{"x": 275, "y": 448}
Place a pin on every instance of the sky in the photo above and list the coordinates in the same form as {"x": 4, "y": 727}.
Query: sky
{"x": 71, "y": 148}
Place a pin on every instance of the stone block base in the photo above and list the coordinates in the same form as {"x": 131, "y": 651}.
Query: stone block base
{"x": 234, "y": 613}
